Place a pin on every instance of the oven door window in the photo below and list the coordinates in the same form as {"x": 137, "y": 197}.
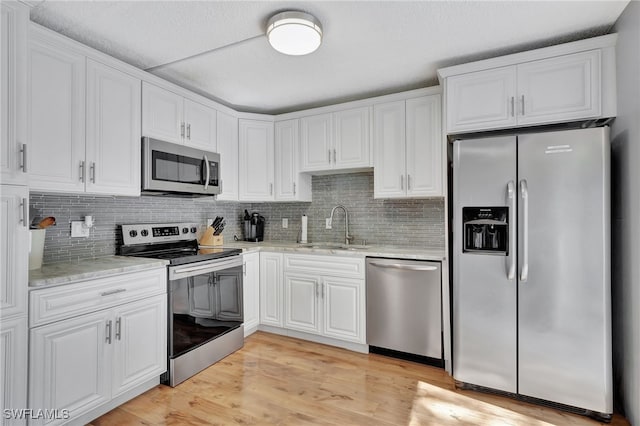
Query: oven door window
{"x": 204, "y": 307}
{"x": 178, "y": 168}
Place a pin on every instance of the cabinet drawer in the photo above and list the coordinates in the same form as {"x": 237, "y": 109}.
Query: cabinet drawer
{"x": 348, "y": 267}
{"x": 54, "y": 304}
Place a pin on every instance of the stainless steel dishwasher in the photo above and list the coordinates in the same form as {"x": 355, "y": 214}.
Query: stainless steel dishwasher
{"x": 404, "y": 313}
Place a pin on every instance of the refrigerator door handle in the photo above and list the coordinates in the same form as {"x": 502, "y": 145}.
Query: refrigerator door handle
{"x": 511, "y": 259}
{"x": 524, "y": 193}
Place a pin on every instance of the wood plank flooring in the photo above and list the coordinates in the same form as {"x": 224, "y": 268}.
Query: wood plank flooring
{"x": 276, "y": 380}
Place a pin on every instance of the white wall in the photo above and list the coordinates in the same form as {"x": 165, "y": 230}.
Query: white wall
{"x": 626, "y": 216}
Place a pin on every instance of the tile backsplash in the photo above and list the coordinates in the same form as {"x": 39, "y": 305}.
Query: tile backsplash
{"x": 417, "y": 223}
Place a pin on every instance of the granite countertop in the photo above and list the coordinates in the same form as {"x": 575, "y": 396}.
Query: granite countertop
{"x": 373, "y": 250}
{"x": 68, "y": 272}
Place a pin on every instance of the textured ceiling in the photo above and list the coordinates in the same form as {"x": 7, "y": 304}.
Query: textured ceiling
{"x": 369, "y": 48}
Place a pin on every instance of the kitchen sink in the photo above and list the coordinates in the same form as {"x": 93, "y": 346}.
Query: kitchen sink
{"x": 335, "y": 246}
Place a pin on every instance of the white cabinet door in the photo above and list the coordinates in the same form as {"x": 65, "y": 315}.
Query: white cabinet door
{"x": 139, "y": 343}
{"x": 559, "y": 89}
{"x": 15, "y": 18}
{"x": 162, "y": 113}
{"x": 286, "y": 156}
{"x": 271, "y": 289}
{"x": 316, "y": 146}
{"x": 390, "y": 150}
{"x": 200, "y": 122}
{"x": 256, "y": 160}
{"x": 251, "y": 289}
{"x": 56, "y": 117}
{"x": 424, "y": 147}
{"x": 301, "y": 303}
{"x": 352, "y": 139}
{"x": 13, "y": 368}
{"x": 227, "y": 144}
{"x": 113, "y": 131}
{"x": 70, "y": 365}
{"x": 481, "y": 100}
{"x": 14, "y": 252}
{"x": 344, "y": 309}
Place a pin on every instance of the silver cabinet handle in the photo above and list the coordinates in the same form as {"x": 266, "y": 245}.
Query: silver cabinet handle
{"x": 118, "y": 327}
{"x": 323, "y": 286}
{"x": 206, "y": 162}
{"x": 23, "y": 150}
{"x": 511, "y": 259}
{"x": 189, "y": 131}
{"x": 522, "y": 104}
{"x": 524, "y": 193}
{"x": 81, "y": 171}
{"x": 402, "y": 182}
{"x": 182, "y": 129}
{"x": 108, "y": 332}
{"x": 92, "y": 171}
{"x": 404, "y": 266}
{"x": 110, "y": 292}
{"x": 317, "y": 291}
{"x": 329, "y": 151}
{"x": 244, "y": 268}
{"x": 513, "y": 107}
{"x": 408, "y": 182}
{"x": 25, "y": 212}
{"x": 294, "y": 188}
{"x": 220, "y": 185}
{"x": 271, "y": 189}
{"x": 334, "y": 157}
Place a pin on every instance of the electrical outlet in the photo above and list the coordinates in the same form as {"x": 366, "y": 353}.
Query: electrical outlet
{"x": 78, "y": 230}
{"x": 327, "y": 224}
{"x": 285, "y": 222}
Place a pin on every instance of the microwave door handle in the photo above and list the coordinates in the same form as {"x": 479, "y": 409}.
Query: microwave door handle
{"x": 206, "y": 162}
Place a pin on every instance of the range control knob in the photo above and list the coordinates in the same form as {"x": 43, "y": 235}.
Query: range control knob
{"x": 193, "y": 229}
{"x": 133, "y": 233}
{"x": 144, "y": 232}
{"x": 185, "y": 230}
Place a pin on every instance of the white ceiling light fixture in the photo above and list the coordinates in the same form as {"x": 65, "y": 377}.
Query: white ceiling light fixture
{"x": 294, "y": 33}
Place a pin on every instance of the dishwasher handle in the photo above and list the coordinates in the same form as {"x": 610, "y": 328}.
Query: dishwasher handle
{"x": 404, "y": 266}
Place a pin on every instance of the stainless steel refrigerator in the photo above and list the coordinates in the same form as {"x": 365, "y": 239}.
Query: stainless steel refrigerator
{"x": 531, "y": 266}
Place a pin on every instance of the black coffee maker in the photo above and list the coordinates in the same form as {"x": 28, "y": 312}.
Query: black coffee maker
{"x": 253, "y": 227}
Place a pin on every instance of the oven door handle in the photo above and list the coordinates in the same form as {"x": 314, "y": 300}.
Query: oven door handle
{"x": 186, "y": 271}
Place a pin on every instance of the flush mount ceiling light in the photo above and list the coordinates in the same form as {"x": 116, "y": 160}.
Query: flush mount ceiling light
{"x": 294, "y": 33}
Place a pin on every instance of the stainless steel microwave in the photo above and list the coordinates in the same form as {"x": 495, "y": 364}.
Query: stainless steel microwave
{"x": 179, "y": 169}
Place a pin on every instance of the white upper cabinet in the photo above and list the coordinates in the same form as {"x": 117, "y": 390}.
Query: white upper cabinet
{"x": 113, "y": 131}
{"x": 558, "y": 84}
{"x": 559, "y": 89}
{"x": 84, "y": 122}
{"x": 170, "y": 117}
{"x": 56, "y": 116}
{"x": 290, "y": 185}
{"x": 200, "y": 129}
{"x": 13, "y": 149}
{"x": 408, "y": 148}
{"x": 162, "y": 113}
{"x": 227, "y": 139}
{"x": 256, "y": 166}
{"x": 482, "y": 100}
{"x": 336, "y": 141}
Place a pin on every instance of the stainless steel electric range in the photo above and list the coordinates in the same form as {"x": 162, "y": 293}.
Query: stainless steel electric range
{"x": 205, "y": 315}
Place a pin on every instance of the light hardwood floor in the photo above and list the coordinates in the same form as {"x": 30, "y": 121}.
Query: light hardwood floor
{"x": 276, "y": 380}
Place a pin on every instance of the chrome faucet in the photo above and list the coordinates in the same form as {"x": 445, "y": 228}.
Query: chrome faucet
{"x": 347, "y": 237}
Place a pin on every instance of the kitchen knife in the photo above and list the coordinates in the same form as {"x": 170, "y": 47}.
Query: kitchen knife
{"x": 219, "y": 229}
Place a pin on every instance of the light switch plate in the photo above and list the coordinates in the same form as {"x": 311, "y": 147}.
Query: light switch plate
{"x": 78, "y": 230}
{"x": 285, "y": 222}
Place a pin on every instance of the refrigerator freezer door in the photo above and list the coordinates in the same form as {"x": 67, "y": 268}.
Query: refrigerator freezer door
{"x": 564, "y": 340}
{"x": 484, "y": 286}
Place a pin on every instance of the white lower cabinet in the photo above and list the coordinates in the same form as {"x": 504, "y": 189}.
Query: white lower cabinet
{"x": 13, "y": 369}
{"x": 251, "y": 292}
{"x": 271, "y": 289}
{"x": 80, "y": 364}
{"x": 319, "y": 300}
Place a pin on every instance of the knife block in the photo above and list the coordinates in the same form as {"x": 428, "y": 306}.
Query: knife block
{"x": 208, "y": 239}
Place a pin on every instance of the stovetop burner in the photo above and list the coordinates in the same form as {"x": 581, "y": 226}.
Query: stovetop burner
{"x": 169, "y": 241}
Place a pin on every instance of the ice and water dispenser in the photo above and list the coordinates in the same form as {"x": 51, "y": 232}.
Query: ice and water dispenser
{"x": 486, "y": 230}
